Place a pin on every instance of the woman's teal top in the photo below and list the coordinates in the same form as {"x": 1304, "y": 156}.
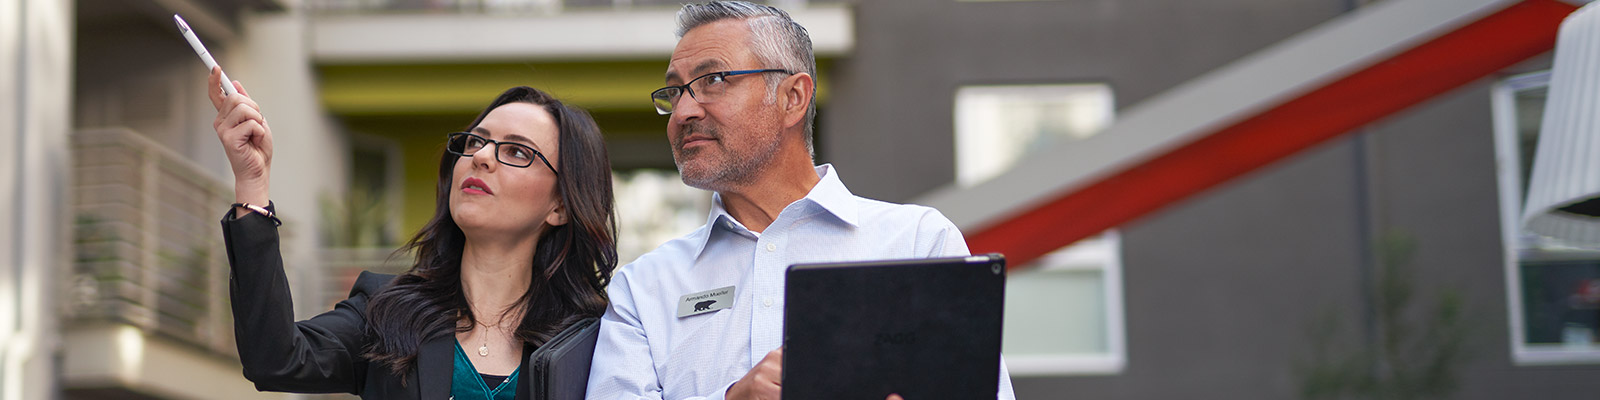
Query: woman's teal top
{"x": 467, "y": 384}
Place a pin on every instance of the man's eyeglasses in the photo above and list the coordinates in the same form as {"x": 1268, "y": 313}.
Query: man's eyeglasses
{"x": 514, "y": 154}
{"x": 705, "y": 89}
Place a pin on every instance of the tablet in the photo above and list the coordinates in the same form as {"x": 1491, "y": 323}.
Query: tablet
{"x": 924, "y": 328}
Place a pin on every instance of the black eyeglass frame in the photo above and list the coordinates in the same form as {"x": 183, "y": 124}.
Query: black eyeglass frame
{"x": 662, "y": 95}
{"x": 536, "y": 153}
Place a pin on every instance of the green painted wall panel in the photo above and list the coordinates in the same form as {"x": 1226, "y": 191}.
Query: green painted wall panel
{"x": 414, "y": 106}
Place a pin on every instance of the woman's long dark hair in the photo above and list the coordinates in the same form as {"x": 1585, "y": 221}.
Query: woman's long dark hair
{"x": 571, "y": 263}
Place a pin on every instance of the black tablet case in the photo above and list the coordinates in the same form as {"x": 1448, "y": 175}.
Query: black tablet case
{"x": 561, "y": 366}
{"x": 925, "y": 328}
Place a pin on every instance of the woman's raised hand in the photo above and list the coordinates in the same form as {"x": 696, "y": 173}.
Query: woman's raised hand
{"x": 245, "y": 137}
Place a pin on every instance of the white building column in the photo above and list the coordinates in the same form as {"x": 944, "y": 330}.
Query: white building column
{"x": 310, "y": 156}
{"x": 36, "y": 67}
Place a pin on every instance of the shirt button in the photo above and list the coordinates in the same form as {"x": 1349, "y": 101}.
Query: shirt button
{"x": 772, "y": 247}
{"x": 767, "y": 301}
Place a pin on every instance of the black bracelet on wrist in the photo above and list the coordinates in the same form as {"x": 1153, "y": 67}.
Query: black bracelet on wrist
{"x": 268, "y": 211}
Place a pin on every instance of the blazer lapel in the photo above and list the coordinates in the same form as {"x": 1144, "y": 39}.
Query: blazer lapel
{"x": 435, "y": 366}
{"x": 526, "y": 380}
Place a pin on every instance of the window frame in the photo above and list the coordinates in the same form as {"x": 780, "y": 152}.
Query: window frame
{"x": 1508, "y": 163}
{"x": 1078, "y": 257}
{"x": 1101, "y": 253}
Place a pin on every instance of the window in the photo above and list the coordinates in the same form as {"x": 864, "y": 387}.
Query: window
{"x": 1063, "y": 312}
{"x": 1553, "y": 291}
{"x": 998, "y": 125}
{"x": 365, "y": 214}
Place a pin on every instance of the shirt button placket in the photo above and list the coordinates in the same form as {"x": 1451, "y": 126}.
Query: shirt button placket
{"x": 770, "y": 269}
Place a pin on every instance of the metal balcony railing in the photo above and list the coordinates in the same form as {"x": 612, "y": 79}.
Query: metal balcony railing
{"x": 147, "y": 246}
{"x": 341, "y": 266}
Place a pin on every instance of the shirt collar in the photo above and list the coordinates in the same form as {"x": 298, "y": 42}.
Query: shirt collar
{"x": 829, "y": 194}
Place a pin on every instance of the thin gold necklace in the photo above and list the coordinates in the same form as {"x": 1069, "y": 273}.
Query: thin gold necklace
{"x": 483, "y": 350}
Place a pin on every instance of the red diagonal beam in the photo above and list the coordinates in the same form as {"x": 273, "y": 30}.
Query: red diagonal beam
{"x": 1452, "y": 60}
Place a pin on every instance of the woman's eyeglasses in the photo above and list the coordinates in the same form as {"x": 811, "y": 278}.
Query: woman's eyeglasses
{"x": 518, "y": 155}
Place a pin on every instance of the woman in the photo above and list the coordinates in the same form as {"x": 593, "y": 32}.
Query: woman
{"x": 520, "y": 247}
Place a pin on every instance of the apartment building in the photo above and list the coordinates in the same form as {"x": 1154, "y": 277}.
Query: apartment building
{"x": 1270, "y": 268}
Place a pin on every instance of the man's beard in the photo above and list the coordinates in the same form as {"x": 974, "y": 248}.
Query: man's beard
{"x": 736, "y": 169}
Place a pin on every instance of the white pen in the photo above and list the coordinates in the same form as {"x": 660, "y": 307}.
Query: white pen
{"x": 205, "y": 56}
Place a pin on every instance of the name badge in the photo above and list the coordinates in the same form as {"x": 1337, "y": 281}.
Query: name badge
{"x": 704, "y": 302}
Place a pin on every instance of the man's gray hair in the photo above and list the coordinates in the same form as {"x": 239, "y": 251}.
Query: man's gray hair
{"x": 775, "y": 39}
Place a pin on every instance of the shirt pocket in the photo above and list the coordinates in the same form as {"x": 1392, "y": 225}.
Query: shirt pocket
{"x": 703, "y": 353}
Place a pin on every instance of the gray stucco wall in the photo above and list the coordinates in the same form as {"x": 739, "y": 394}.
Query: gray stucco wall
{"x": 1434, "y": 177}
{"x": 892, "y": 101}
{"x": 1223, "y": 289}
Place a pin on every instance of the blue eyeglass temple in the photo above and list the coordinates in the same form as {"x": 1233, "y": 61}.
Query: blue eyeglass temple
{"x": 685, "y": 87}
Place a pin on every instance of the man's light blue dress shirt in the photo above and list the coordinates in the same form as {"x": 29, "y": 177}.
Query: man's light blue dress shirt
{"x": 646, "y": 351}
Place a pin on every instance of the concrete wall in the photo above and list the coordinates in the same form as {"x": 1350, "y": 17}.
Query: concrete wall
{"x": 137, "y": 73}
{"x": 1223, "y": 290}
{"x": 893, "y": 97}
{"x": 35, "y": 120}
{"x": 1434, "y": 177}
{"x": 311, "y": 155}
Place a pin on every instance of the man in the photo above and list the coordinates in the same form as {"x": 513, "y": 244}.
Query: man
{"x": 741, "y": 105}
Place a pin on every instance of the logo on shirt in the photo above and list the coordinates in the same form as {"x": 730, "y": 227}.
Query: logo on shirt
{"x": 704, "y": 302}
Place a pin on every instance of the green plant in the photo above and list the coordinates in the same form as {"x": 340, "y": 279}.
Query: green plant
{"x": 359, "y": 219}
{"x": 89, "y": 238}
{"x": 94, "y": 256}
{"x": 1417, "y": 349}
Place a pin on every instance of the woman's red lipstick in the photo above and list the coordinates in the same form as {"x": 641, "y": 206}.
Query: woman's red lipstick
{"x": 475, "y": 186}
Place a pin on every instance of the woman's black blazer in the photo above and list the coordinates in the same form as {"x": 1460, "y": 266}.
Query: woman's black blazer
{"x": 321, "y": 354}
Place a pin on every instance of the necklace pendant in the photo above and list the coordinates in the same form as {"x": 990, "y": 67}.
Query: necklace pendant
{"x": 483, "y": 350}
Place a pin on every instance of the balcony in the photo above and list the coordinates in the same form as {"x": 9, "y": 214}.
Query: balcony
{"x": 341, "y": 266}
{"x": 146, "y": 310}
